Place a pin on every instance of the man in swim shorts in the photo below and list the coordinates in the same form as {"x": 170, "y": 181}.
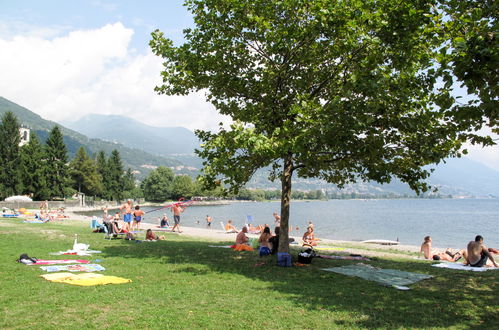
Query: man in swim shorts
{"x": 126, "y": 210}
{"x": 208, "y": 221}
{"x": 177, "y": 209}
{"x": 478, "y": 254}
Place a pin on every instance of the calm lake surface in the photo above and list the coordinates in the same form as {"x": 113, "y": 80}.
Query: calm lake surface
{"x": 450, "y": 222}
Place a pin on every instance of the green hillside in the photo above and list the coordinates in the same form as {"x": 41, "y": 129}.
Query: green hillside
{"x": 132, "y": 158}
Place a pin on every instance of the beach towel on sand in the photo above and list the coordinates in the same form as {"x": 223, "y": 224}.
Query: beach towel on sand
{"x": 460, "y": 266}
{"x": 388, "y": 277}
{"x": 73, "y": 268}
{"x": 87, "y": 279}
{"x": 59, "y": 262}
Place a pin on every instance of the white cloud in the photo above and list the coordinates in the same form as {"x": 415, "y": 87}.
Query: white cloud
{"x": 94, "y": 71}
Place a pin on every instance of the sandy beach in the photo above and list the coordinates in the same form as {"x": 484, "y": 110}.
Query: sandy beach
{"x": 217, "y": 235}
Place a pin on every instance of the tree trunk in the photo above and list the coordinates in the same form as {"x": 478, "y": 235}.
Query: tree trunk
{"x": 285, "y": 203}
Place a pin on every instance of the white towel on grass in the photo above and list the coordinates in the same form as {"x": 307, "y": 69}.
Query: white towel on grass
{"x": 460, "y": 266}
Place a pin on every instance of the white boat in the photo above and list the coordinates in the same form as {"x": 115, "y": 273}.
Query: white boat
{"x": 381, "y": 241}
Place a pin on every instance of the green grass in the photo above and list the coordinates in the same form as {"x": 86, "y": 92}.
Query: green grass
{"x": 182, "y": 283}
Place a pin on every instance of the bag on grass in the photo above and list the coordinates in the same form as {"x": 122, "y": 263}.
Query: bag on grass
{"x": 306, "y": 256}
{"x": 25, "y": 259}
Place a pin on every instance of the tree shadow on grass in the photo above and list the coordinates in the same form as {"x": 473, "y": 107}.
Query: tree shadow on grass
{"x": 443, "y": 301}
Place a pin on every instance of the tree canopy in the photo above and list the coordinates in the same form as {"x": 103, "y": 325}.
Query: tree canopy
{"x": 10, "y": 183}
{"x": 340, "y": 90}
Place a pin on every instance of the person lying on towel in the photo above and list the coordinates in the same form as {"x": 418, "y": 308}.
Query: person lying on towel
{"x": 428, "y": 253}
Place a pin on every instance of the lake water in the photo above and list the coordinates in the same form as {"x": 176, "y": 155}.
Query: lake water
{"x": 450, "y": 222}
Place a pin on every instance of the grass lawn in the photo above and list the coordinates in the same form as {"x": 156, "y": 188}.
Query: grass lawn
{"x": 183, "y": 283}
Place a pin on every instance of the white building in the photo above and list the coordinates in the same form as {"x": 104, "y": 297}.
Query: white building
{"x": 24, "y": 132}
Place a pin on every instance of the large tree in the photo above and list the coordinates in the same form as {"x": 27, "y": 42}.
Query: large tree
{"x": 85, "y": 175}
{"x": 115, "y": 176}
{"x": 56, "y": 157}
{"x": 339, "y": 90}
{"x": 10, "y": 174}
{"x": 33, "y": 167}
{"x": 158, "y": 185}
{"x": 102, "y": 168}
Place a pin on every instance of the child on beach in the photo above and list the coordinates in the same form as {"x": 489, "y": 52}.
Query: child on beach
{"x": 164, "y": 222}
{"x": 137, "y": 217}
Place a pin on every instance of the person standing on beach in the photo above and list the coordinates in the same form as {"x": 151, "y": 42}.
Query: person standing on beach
{"x": 277, "y": 219}
{"x": 137, "y": 217}
{"x": 208, "y": 221}
{"x": 177, "y": 210}
{"x": 126, "y": 210}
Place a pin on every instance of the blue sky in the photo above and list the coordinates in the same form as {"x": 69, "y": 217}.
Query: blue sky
{"x": 170, "y": 16}
{"x": 64, "y": 59}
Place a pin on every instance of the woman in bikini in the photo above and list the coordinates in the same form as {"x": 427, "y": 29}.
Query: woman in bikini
{"x": 309, "y": 237}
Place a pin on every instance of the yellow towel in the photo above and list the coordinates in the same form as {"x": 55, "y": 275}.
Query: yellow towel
{"x": 85, "y": 279}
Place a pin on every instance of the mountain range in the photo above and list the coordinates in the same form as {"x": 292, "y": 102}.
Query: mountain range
{"x": 134, "y": 158}
{"x": 154, "y": 140}
{"x": 143, "y": 147}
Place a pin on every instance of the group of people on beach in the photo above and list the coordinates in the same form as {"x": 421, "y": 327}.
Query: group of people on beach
{"x": 268, "y": 242}
{"x": 476, "y": 253}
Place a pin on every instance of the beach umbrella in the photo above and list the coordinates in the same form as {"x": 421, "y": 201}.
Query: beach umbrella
{"x": 18, "y": 199}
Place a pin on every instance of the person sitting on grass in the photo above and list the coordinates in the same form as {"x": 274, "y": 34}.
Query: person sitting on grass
{"x": 265, "y": 246}
{"x": 447, "y": 255}
{"x": 478, "y": 255}
{"x": 229, "y": 227}
{"x": 242, "y": 241}
{"x": 241, "y": 238}
{"x": 309, "y": 237}
{"x": 274, "y": 240}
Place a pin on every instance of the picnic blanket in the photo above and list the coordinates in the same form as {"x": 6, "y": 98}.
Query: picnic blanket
{"x": 59, "y": 262}
{"x": 73, "y": 268}
{"x": 85, "y": 279}
{"x": 459, "y": 266}
{"x": 34, "y": 221}
{"x": 388, "y": 277}
{"x": 221, "y": 246}
{"x": 344, "y": 257}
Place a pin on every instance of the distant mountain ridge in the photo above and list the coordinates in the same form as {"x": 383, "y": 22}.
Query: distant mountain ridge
{"x": 133, "y": 158}
{"x": 155, "y": 140}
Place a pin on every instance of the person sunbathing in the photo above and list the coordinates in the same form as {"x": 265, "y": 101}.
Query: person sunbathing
{"x": 478, "y": 255}
{"x": 426, "y": 250}
{"x": 309, "y": 237}
{"x": 253, "y": 230}
{"x": 151, "y": 236}
{"x": 229, "y": 227}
